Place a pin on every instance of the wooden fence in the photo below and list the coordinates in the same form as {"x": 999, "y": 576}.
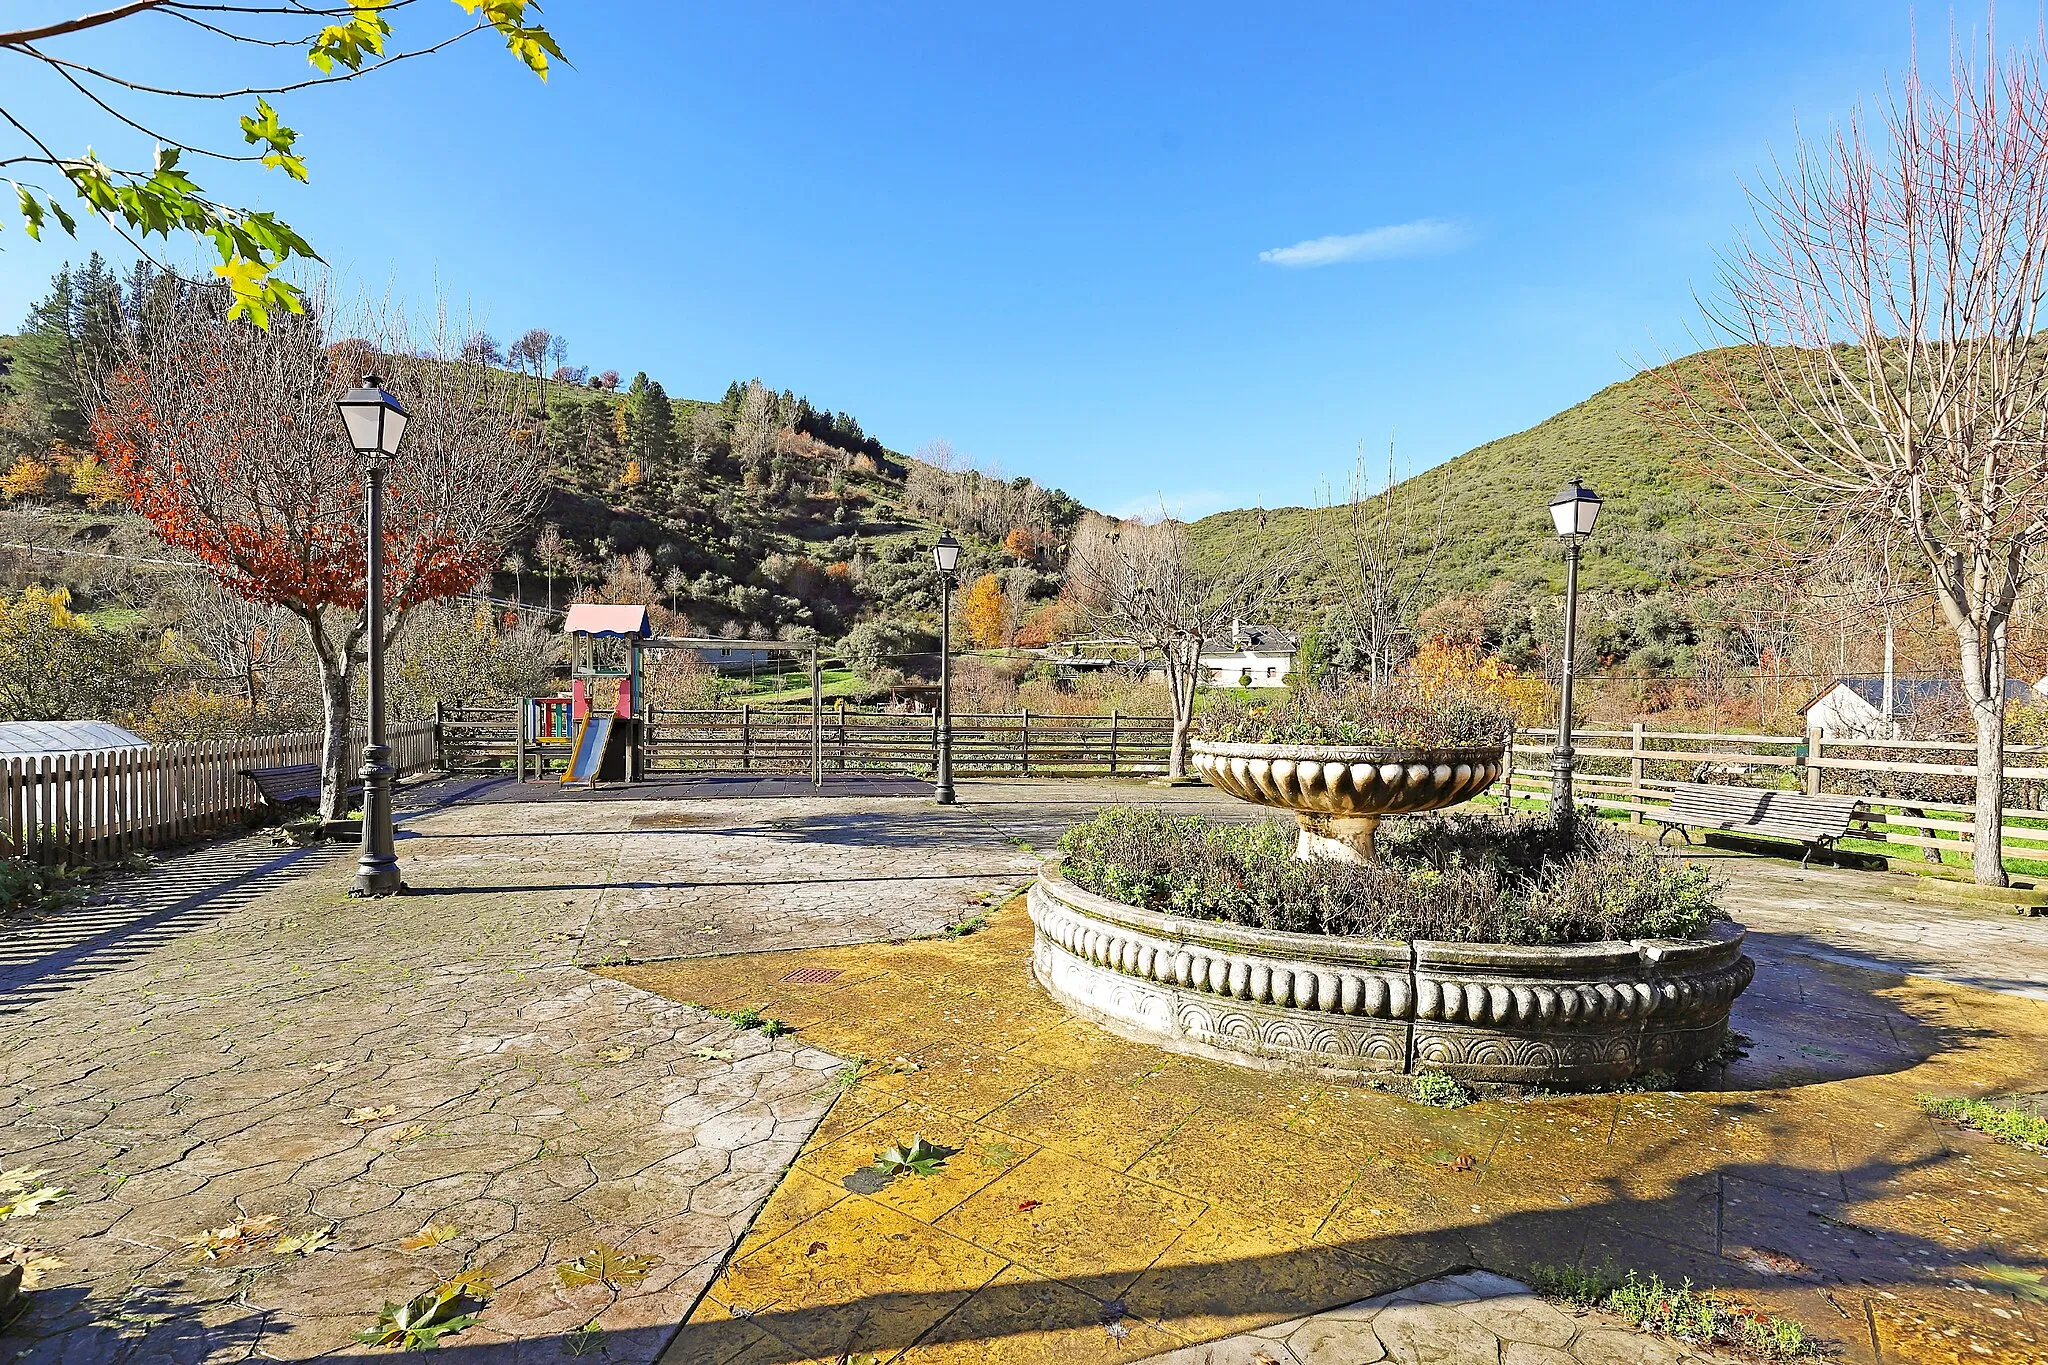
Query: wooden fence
{"x": 93, "y": 808}
{"x": 1916, "y": 793}
{"x": 849, "y": 740}
{"x": 781, "y": 739}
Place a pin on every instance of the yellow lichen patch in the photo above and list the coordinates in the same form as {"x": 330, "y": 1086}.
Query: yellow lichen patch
{"x": 1231, "y": 1274}
{"x": 1097, "y": 1229}
{"x": 854, "y": 1278}
{"x": 1106, "y": 1201}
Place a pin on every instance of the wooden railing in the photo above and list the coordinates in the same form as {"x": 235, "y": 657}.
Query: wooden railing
{"x": 849, "y": 740}
{"x": 95, "y": 808}
{"x": 1633, "y": 771}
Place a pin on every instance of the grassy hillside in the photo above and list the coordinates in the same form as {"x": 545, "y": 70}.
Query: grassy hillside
{"x": 1481, "y": 522}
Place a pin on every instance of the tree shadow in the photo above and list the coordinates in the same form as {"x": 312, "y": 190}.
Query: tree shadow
{"x": 135, "y": 914}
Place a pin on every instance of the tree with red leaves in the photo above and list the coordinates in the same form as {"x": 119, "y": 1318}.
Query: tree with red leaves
{"x": 226, "y": 438}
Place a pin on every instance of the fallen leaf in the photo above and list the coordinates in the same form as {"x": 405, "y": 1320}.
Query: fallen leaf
{"x": 365, "y": 1115}
{"x": 33, "y": 1264}
{"x": 409, "y": 1132}
{"x": 2015, "y": 1280}
{"x": 814, "y": 1248}
{"x": 432, "y": 1235}
{"x": 617, "y": 1054}
{"x": 918, "y": 1158}
{"x": 226, "y": 1240}
{"x": 26, "y": 1202}
{"x": 304, "y": 1243}
{"x": 713, "y": 1054}
{"x": 19, "y": 1179}
{"x": 1027, "y": 1205}
{"x": 331, "y": 1068}
{"x": 605, "y": 1264}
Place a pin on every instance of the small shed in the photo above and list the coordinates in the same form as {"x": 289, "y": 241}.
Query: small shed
{"x": 29, "y": 738}
{"x": 1251, "y": 656}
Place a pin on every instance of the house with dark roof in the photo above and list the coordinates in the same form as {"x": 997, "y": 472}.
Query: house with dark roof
{"x": 1250, "y": 656}
{"x": 1854, "y": 708}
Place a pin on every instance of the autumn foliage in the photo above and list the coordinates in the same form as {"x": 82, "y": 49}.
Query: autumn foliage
{"x": 986, "y": 612}
{"x": 229, "y": 444}
{"x": 1447, "y": 661}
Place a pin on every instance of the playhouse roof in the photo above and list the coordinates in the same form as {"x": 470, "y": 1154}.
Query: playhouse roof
{"x": 597, "y": 618}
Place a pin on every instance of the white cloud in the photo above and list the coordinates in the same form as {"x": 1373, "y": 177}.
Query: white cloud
{"x": 1423, "y": 237}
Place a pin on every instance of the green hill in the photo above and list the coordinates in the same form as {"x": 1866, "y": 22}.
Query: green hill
{"x": 1480, "y": 523}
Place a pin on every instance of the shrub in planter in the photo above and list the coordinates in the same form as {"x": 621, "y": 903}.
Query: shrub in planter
{"x": 1402, "y": 714}
{"x": 1453, "y": 877}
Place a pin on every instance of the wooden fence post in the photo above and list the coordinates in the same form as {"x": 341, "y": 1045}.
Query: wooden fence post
{"x": 746, "y": 736}
{"x": 1024, "y": 739}
{"x": 842, "y": 734}
{"x": 1113, "y": 727}
{"x": 1638, "y": 768}
{"x": 1812, "y": 768}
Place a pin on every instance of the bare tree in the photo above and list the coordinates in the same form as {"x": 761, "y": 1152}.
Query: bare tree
{"x": 227, "y": 440}
{"x": 1890, "y": 378}
{"x": 1140, "y": 582}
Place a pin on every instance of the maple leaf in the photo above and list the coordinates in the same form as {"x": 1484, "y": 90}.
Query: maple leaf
{"x": 420, "y": 1322}
{"x": 919, "y": 1158}
{"x": 304, "y": 1243}
{"x": 33, "y": 1263}
{"x": 19, "y": 1179}
{"x": 409, "y": 1132}
{"x": 214, "y": 1243}
{"x": 363, "y": 1115}
{"x": 605, "y": 1264}
{"x": 22, "y": 1203}
{"x": 713, "y": 1054}
{"x": 432, "y": 1235}
{"x": 617, "y": 1054}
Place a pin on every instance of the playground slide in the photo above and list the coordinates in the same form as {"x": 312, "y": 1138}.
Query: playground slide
{"x": 592, "y": 739}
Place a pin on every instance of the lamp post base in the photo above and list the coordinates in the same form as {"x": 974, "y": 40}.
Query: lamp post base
{"x": 944, "y": 795}
{"x": 377, "y": 871}
{"x": 380, "y": 880}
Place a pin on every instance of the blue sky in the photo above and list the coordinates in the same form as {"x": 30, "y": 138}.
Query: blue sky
{"x": 1186, "y": 255}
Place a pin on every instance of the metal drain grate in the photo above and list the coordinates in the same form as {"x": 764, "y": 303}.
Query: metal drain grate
{"x": 813, "y": 974}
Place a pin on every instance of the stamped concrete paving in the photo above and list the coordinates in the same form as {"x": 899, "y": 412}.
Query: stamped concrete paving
{"x": 1096, "y": 1183}
{"x": 192, "y": 1049}
{"x": 1475, "y": 1318}
{"x": 179, "y": 1061}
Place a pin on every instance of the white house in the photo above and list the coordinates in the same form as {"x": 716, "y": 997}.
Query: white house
{"x": 1251, "y": 656}
{"x": 1853, "y": 708}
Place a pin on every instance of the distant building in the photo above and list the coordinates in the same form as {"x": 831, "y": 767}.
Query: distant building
{"x": 1853, "y": 708}
{"x": 1251, "y": 656}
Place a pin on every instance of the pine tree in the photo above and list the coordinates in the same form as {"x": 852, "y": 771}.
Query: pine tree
{"x": 51, "y": 404}
{"x": 650, "y": 423}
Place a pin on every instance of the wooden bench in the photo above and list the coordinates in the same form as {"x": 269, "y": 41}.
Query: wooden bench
{"x": 1815, "y": 821}
{"x": 292, "y": 785}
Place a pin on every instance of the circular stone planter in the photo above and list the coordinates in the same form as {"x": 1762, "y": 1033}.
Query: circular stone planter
{"x": 1339, "y": 792}
{"x": 1578, "y": 1015}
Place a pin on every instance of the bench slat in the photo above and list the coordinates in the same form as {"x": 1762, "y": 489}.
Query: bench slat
{"x": 1789, "y": 815}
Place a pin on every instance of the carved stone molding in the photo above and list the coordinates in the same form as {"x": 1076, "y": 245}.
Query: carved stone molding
{"x": 1579, "y": 1014}
{"x": 1339, "y": 792}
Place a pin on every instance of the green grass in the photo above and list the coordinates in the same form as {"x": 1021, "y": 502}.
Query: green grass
{"x": 1699, "y": 1316}
{"x": 775, "y": 689}
{"x": 2007, "y": 1122}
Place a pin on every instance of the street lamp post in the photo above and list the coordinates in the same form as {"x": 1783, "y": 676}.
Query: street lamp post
{"x": 375, "y": 421}
{"x": 946, "y": 558}
{"x": 1573, "y": 512}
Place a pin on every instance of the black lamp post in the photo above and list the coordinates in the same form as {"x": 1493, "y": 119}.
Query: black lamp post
{"x": 375, "y": 422}
{"x": 946, "y": 558}
{"x": 1573, "y": 512}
